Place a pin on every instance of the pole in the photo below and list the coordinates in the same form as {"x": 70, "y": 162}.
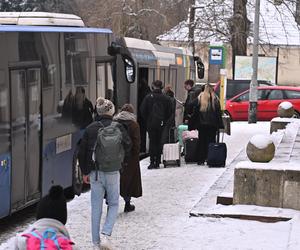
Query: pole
{"x": 191, "y": 40}
{"x": 253, "y": 85}
{"x": 223, "y": 84}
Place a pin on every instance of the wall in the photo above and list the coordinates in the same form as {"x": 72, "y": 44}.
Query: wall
{"x": 288, "y": 61}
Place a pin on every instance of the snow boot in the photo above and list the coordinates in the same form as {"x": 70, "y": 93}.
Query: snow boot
{"x": 128, "y": 207}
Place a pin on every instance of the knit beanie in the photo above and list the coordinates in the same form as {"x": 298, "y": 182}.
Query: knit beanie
{"x": 105, "y": 107}
{"x": 53, "y": 205}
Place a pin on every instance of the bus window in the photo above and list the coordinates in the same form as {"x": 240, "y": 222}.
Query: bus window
{"x": 76, "y": 58}
{"x": 110, "y": 84}
{"x": 151, "y": 76}
{"x": 162, "y": 76}
{"x": 173, "y": 79}
{"x": 100, "y": 80}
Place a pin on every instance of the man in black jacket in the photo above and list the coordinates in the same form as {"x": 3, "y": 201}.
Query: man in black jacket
{"x": 104, "y": 177}
{"x": 156, "y": 110}
{"x": 193, "y": 92}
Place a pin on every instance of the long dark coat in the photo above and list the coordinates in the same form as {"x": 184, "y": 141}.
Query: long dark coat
{"x": 130, "y": 181}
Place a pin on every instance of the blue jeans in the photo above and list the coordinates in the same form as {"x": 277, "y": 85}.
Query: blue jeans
{"x": 109, "y": 182}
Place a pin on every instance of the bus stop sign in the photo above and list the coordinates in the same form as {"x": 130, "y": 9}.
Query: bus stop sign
{"x": 216, "y": 55}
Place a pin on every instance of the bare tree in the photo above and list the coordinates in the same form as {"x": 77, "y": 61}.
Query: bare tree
{"x": 145, "y": 19}
{"x": 66, "y": 6}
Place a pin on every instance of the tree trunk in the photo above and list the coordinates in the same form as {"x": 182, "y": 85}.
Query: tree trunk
{"x": 191, "y": 41}
{"x": 239, "y": 29}
{"x": 297, "y": 16}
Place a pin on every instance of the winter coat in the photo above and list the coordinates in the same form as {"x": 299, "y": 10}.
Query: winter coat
{"x": 130, "y": 181}
{"x": 167, "y": 136}
{"x": 211, "y": 117}
{"x": 41, "y": 225}
{"x": 87, "y": 144}
{"x": 147, "y": 105}
{"x": 189, "y": 102}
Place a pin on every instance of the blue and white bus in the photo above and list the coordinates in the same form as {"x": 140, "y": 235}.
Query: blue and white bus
{"x": 43, "y": 58}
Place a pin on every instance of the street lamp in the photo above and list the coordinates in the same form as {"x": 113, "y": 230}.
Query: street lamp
{"x": 253, "y": 85}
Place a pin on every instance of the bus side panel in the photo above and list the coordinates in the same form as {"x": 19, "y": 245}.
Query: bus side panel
{"x": 58, "y": 161}
{"x": 5, "y": 186}
{"x": 5, "y": 157}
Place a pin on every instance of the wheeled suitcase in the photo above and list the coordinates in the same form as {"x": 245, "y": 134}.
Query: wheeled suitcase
{"x": 171, "y": 154}
{"x": 191, "y": 150}
{"x": 217, "y": 154}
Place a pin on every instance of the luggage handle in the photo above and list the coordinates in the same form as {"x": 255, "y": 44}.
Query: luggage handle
{"x": 172, "y": 129}
{"x": 218, "y": 135}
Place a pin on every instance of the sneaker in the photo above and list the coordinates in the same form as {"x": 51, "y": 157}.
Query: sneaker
{"x": 200, "y": 163}
{"x": 96, "y": 246}
{"x": 128, "y": 207}
{"x": 105, "y": 242}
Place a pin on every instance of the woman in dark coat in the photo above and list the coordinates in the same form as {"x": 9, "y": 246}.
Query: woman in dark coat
{"x": 207, "y": 118}
{"x": 130, "y": 181}
{"x": 82, "y": 112}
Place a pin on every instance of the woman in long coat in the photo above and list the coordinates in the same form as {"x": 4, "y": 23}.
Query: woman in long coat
{"x": 207, "y": 119}
{"x": 130, "y": 181}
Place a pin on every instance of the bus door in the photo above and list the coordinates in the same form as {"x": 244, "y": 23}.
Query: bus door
{"x": 25, "y": 85}
{"x": 104, "y": 87}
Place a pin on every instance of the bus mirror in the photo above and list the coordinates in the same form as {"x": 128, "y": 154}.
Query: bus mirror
{"x": 129, "y": 69}
{"x": 200, "y": 69}
{"x": 114, "y": 49}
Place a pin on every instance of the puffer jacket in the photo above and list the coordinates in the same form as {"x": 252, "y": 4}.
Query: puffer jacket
{"x": 41, "y": 225}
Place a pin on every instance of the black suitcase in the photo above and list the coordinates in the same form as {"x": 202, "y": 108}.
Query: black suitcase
{"x": 191, "y": 150}
{"x": 217, "y": 154}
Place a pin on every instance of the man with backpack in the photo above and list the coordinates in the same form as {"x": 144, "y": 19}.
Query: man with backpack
{"x": 156, "y": 109}
{"x": 101, "y": 154}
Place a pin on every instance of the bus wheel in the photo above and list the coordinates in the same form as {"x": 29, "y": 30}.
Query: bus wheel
{"x": 77, "y": 175}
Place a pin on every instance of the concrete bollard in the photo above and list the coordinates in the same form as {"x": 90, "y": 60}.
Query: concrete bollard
{"x": 260, "y": 148}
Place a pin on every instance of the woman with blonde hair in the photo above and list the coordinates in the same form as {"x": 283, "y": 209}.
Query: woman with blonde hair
{"x": 207, "y": 118}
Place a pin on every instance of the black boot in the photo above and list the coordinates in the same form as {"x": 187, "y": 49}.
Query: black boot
{"x": 128, "y": 207}
{"x": 156, "y": 165}
{"x": 151, "y": 166}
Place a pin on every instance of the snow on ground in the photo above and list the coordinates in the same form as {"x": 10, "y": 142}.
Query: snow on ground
{"x": 161, "y": 219}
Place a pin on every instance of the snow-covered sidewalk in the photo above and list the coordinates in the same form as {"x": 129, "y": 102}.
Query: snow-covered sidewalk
{"x": 162, "y": 221}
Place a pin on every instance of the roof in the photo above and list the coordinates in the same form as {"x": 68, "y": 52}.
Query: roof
{"x": 277, "y": 23}
{"x": 40, "y": 18}
{"x": 23, "y": 28}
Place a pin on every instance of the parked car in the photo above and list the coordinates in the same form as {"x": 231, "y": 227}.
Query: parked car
{"x": 235, "y": 87}
{"x": 268, "y": 99}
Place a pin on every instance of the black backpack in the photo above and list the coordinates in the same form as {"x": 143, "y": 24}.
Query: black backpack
{"x": 157, "y": 116}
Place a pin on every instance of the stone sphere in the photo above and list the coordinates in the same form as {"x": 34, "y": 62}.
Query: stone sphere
{"x": 285, "y": 110}
{"x": 260, "y": 148}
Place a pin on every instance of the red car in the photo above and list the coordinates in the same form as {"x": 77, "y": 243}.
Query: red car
{"x": 268, "y": 99}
